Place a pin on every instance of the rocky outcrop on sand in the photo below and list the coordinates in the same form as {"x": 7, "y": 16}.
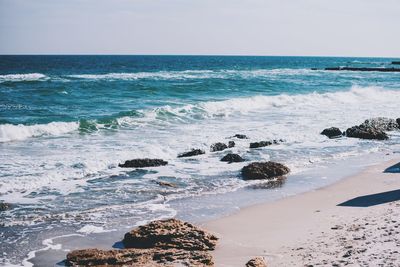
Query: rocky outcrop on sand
{"x": 139, "y": 258}
{"x": 264, "y": 143}
{"x": 256, "y": 262}
{"x": 160, "y": 243}
{"x": 264, "y": 170}
{"x": 143, "y": 163}
{"x": 191, "y": 153}
{"x": 230, "y": 158}
{"x": 332, "y": 132}
{"x": 4, "y": 206}
{"x": 218, "y": 147}
{"x": 171, "y": 233}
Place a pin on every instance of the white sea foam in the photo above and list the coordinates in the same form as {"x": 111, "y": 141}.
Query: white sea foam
{"x": 363, "y": 96}
{"x": 196, "y": 74}
{"x": 10, "y": 132}
{"x": 92, "y": 229}
{"x": 29, "y": 77}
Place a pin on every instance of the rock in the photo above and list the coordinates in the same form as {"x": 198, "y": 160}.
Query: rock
{"x": 138, "y": 257}
{"x": 256, "y": 262}
{"x": 373, "y": 129}
{"x": 366, "y": 133}
{"x": 142, "y": 163}
{"x": 166, "y": 184}
{"x": 332, "y": 132}
{"x": 381, "y": 123}
{"x": 264, "y": 170}
{"x": 193, "y": 152}
{"x": 240, "y": 136}
{"x": 231, "y": 144}
{"x": 4, "y": 206}
{"x": 264, "y": 143}
{"x": 232, "y": 158}
{"x": 364, "y": 69}
{"x": 170, "y": 234}
{"x": 398, "y": 122}
{"x": 218, "y": 147}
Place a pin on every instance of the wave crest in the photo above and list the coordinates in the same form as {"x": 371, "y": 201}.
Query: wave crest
{"x": 11, "y": 132}
{"x": 366, "y": 98}
{"x": 29, "y": 77}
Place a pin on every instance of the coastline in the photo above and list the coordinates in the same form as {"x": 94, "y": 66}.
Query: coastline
{"x": 251, "y": 230}
{"x": 310, "y": 228}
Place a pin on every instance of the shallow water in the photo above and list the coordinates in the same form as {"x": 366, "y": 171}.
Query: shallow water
{"x": 66, "y": 123}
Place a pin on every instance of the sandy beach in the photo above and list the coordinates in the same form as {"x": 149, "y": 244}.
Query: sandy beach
{"x": 354, "y": 222}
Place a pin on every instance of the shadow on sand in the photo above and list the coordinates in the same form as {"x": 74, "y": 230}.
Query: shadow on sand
{"x": 393, "y": 169}
{"x": 372, "y": 200}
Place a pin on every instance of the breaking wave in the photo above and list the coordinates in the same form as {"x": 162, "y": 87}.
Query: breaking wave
{"x": 10, "y": 132}
{"x": 29, "y": 77}
{"x": 366, "y": 97}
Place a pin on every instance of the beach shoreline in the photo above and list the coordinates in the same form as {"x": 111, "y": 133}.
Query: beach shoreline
{"x": 319, "y": 227}
{"x": 252, "y": 231}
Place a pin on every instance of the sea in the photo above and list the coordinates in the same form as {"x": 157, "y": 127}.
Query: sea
{"x": 66, "y": 122}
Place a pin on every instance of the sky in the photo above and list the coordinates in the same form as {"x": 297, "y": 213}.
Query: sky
{"x": 201, "y": 27}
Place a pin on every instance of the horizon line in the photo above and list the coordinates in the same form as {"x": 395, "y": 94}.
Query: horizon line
{"x": 198, "y": 55}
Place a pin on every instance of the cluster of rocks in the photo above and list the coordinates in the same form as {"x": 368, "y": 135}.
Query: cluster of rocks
{"x": 164, "y": 243}
{"x": 159, "y": 243}
{"x": 265, "y": 143}
{"x": 372, "y": 129}
{"x": 219, "y": 146}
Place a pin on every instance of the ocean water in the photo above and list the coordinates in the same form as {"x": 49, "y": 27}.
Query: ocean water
{"x": 67, "y": 121}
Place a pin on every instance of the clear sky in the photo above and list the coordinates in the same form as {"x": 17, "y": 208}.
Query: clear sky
{"x": 206, "y": 27}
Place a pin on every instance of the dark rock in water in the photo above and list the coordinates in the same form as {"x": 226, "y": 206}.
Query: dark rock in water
{"x": 398, "y": 122}
{"x": 260, "y": 144}
{"x": 142, "y": 163}
{"x": 366, "y": 133}
{"x": 373, "y": 129}
{"x": 364, "y": 69}
{"x": 231, "y": 144}
{"x": 166, "y": 184}
{"x": 240, "y": 136}
{"x": 139, "y": 258}
{"x": 170, "y": 234}
{"x": 264, "y": 170}
{"x": 265, "y": 143}
{"x": 232, "y": 158}
{"x": 218, "y": 147}
{"x": 380, "y": 123}
{"x": 396, "y": 62}
{"x": 332, "y": 132}
{"x": 193, "y": 152}
{"x": 4, "y": 206}
{"x": 256, "y": 262}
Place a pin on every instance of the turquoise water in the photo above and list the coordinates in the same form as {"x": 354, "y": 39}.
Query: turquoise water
{"x": 67, "y": 121}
